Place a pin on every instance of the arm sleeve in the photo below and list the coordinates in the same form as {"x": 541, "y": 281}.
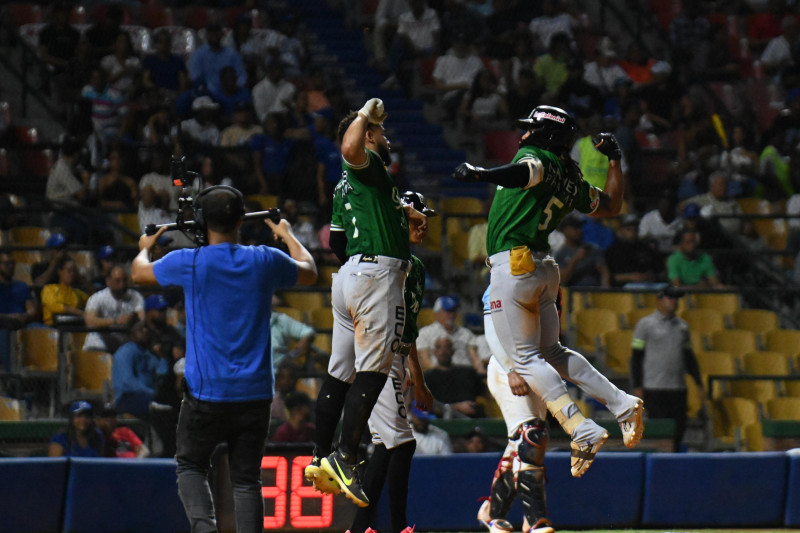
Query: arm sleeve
{"x": 524, "y": 174}
{"x": 338, "y": 243}
{"x": 692, "y": 368}
{"x": 637, "y": 360}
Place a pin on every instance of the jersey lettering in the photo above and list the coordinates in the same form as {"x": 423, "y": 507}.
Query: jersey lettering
{"x": 496, "y": 304}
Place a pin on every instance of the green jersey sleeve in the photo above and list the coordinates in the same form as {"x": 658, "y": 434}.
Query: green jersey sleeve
{"x": 413, "y": 293}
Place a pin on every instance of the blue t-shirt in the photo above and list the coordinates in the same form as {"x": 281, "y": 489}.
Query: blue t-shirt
{"x": 77, "y": 451}
{"x": 274, "y": 154}
{"x": 13, "y": 297}
{"x": 165, "y": 74}
{"x": 330, "y": 156}
{"x": 228, "y": 290}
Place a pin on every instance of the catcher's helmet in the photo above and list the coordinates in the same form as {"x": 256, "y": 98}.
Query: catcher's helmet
{"x": 550, "y": 128}
{"x": 418, "y": 202}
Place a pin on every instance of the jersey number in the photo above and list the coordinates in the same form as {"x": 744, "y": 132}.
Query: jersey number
{"x": 548, "y": 211}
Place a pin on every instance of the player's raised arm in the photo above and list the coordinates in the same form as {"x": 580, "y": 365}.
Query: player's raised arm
{"x": 611, "y": 197}
{"x": 354, "y": 139}
{"x": 524, "y": 174}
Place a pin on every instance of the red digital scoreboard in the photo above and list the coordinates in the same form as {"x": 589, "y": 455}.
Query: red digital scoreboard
{"x": 290, "y": 502}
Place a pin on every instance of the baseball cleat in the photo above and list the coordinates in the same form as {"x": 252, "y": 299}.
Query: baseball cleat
{"x": 346, "y": 475}
{"x": 321, "y": 480}
{"x": 542, "y": 525}
{"x": 633, "y": 426}
{"x": 587, "y": 439}
{"x": 408, "y": 529}
{"x": 498, "y": 525}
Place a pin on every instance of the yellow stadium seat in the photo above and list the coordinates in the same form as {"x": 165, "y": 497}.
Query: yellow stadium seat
{"x": 621, "y": 302}
{"x": 591, "y": 325}
{"x": 765, "y": 363}
{"x": 29, "y": 235}
{"x": 131, "y": 222}
{"x": 10, "y": 410}
{"x": 727, "y": 303}
{"x": 783, "y": 409}
{"x": 758, "y": 321}
{"x": 462, "y": 224}
{"x": 735, "y": 341}
{"x": 786, "y": 341}
{"x": 325, "y": 275}
{"x": 306, "y": 301}
{"x": 754, "y": 206}
{"x": 297, "y": 314}
{"x": 619, "y": 350}
{"x": 716, "y": 364}
{"x": 462, "y": 205}
{"x": 759, "y": 390}
{"x": 91, "y": 373}
{"x": 23, "y": 273}
{"x": 635, "y": 315}
{"x": 27, "y": 256}
{"x": 698, "y": 342}
{"x": 649, "y": 299}
{"x": 571, "y": 301}
{"x": 266, "y": 201}
{"x": 322, "y": 318}
{"x": 704, "y": 321}
{"x": 732, "y": 417}
{"x": 457, "y": 244}
{"x": 425, "y": 317}
{"x": 37, "y": 350}
{"x": 323, "y": 342}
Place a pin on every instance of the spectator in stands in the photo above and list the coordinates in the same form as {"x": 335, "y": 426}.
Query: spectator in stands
{"x": 662, "y": 224}
{"x": 291, "y": 47}
{"x": 58, "y": 42}
{"x": 777, "y": 56}
{"x": 329, "y": 158}
{"x": 159, "y": 181}
{"x": 554, "y": 19}
{"x": 286, "y": 330}
{"x": 709, "y": 230}
{"x": 158, "y": 128}
{"x": 163, "y": 70}
{"x": 105, "y": 260}
{"x": 476, "y": 441}
{"x": 315, "y": 91}
{"x": 207, "y": 61}
{"x": 116, "y": 190}
{"x": 303, "y": 229}
{"x": 134, "y": 373}
{"x": 453, "y": 73}
{"x": 523, "y": 92}
{"x": 298, "y": 426}
{"x": 592, "y": 162}
{"x": 483, "y": 107}
{"x": 662, "y": 356}
{"x": 252, "y": 48}
{"x": 551, "y": 67}
{"x": 632, "y": 262}
{"x": 740, "y": 162}
{"x": 576, "y": 94}
{"x": 102, "y": 36}
{"x": 274, "y": 93}
{"x": 455, "y": 386}
{"x": 689, "y": 267}
{"x": 242, "y": 127}
{"x": 714, "y": 61}
{"x": 17, "y": 306}
{"x": 124, "y": 67}
{"x": 161, "y": 332}
{"x": 109, "y": 111}
{"x": 637, "y": 65}
{"x": 230, "y": 94}
{"x": 465, "y": 352}
{"x": 116, "y": 305}
{"x": 285, "y": 384}
{"x": 387, "y": 14}
{"x": 658, "y": 100}
{"x": 417, "y": 36}
{"x": 766, "y": 24}
{"x": 716, "y": 203}
{"x": 271, "y": 154}
{"x": 81, "y": 438}
{"x": 688, "y": 32}
{"x": 67, "y": 182}
{"x": 582, "y": 264}
{"x": 78, "y": 73}
{"x": 45, "y": 271}
{"x": 431, "y": 440}
{"x": 202, "y": 128}
{"x": 793, "y": 223}
{"x": 120, "y": 441}
{"x": 603, "y": 72}
{"x": 62, "y": 301}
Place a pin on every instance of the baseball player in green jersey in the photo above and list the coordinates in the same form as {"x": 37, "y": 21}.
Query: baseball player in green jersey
{"x": 393, "y": 440}
{"x": 369, "y": 234}
{"x": 541, "y": 186}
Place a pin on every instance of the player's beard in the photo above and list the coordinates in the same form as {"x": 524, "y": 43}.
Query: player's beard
{"x": 385, "y": 153}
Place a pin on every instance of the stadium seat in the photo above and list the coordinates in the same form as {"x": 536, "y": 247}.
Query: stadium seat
{"x": 90, "y": 374}
{"x": 760, "y": 321}
{"x": 591, "y": 325}
{"x": 783, "y": 409}
{"x": 197, "y": 17}
{"x": 754, "y": 206}
{"x": 10, "y": 410}
{"x": 715, "y": 363}
{"x": 27, "y": 135}
{"x": 649, "y": 299}
{"x": 78, "y": 15}
{"x": 765, "y": 363}
{"x": 457, "y": 245}
{"x": 758, "y": 390}
{"x": 500, "y": 145}
{"x": 141, "y": 38}
{"x": 131, "y": 222}
{"x": 297, "y": 314}
{"x": 29, "y": 33}
{"x": 323, "y": 342}
{"x": 727, "y": 303}
{"x": 786, "y": 341}
{"x": 184, "y": 40}
{"x": 322, "y": 319}
{"x": 37, "y": 350}
{"x": 325, "y": 275}
{"x": 462, "y": 205}
{"x": 732, "y": 417}
{"x": 23, "y": 273}
{"x": 27, "y": 256}
{"x": 704, "y": 321}
{"x": 735, "y": 341}
{"x": 635, "y": 315}
{"x": 155, "y": 16}
{"x": 266, "y": 201}
{"x": 619, "y": 350}
{"x": 621, "y": 302}
{"x": 29, "y": 235}
{"x": 425, "y": 317}
{"x": 21, "y": 13}
{"x": 36, "y": 163}
{"x": 307, "y": 301}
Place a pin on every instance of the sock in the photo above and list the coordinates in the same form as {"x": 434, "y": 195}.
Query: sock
{"x": 397, "y": 479}
{"x": 358, "y": 404}
{"x": 374, "y": 477}
{"x": 330, "y": 402}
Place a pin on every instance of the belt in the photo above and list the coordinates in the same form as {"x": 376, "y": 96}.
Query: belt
{"x": 382, "y": 260}
{"x": 503, "y": 257}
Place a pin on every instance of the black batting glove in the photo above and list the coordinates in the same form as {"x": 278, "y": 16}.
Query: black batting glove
{"x": 607, "y": 144}
{"x": 468, "y": 173}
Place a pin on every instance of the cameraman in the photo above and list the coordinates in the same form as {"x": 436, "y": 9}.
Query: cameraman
{"x": 228, "y": 291}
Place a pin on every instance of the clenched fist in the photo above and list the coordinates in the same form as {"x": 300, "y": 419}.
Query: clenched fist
{"x": 373, "y": 111}
{"x": 607, "y": 144}
{"x": 468, "y": 173}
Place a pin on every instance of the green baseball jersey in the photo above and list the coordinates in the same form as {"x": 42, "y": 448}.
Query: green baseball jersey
{"x": 367, "y": 207}
{"x": 413, "y": 293}
{"x": 527, "y": 216}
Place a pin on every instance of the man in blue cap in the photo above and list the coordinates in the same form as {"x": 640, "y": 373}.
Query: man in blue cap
{"x": 44, "y": 272}
{"x": 465, "y": 347}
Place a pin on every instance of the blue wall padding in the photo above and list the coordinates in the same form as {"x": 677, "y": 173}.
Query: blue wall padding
{"x": 793, "y": 492}
{"x": 715, "y": 489}
{"x": 32, "y": 494}
{"x": 445, "y": 491}
{"x": 124, "y": 495}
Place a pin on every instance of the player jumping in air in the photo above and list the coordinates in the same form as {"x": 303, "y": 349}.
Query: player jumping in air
{"x": 535, "y": 191}
{"x": 369, "y": 234}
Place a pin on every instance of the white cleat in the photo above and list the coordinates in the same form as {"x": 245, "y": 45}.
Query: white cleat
{"x": 633, "y": 426}
{"x": 542, "y": 525}
{"x": 582, "y": 455}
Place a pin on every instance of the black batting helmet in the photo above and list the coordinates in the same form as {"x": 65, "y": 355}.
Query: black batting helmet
{"x": 550, "y": 128}
{"x": 418, "y": 202}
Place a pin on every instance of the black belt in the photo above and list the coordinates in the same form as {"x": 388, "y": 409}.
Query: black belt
{"x": 374, "y": 258}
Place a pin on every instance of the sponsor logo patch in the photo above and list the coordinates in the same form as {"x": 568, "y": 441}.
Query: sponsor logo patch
{"x": 496, "y": 304}
{"x": 549, "y": 116}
